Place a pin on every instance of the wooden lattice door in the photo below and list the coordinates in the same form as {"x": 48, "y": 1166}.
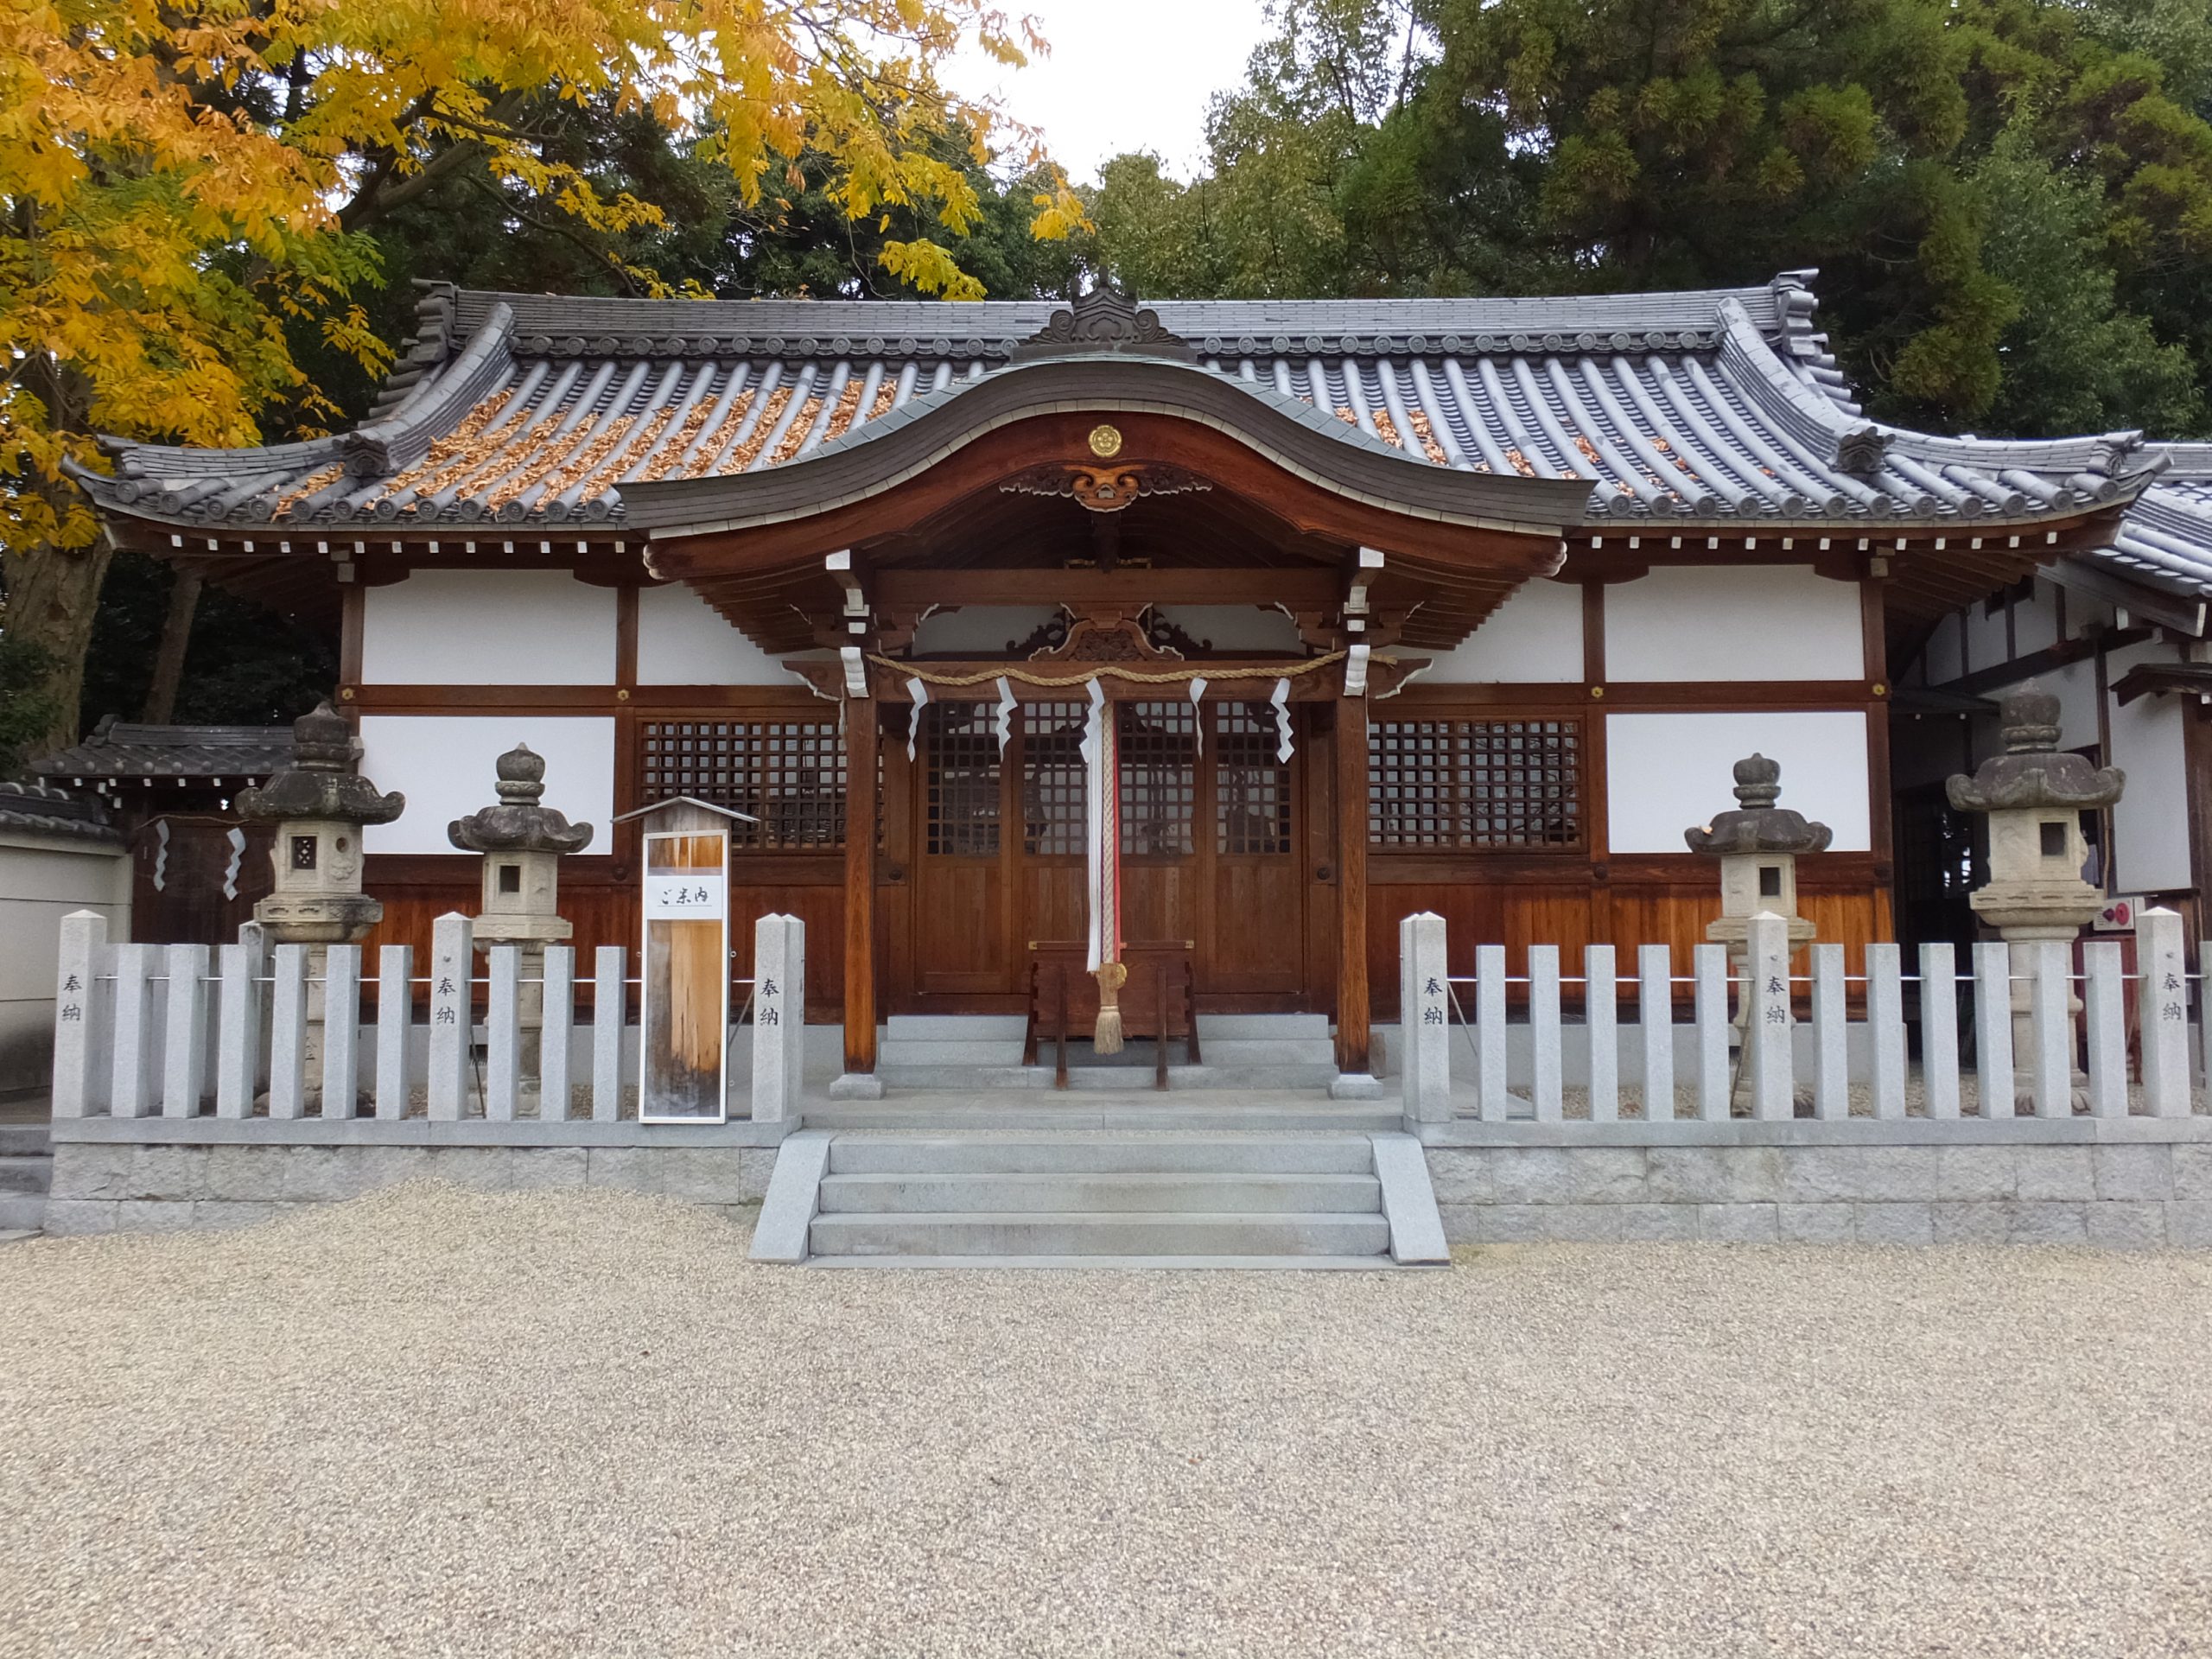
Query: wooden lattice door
{"x": 1159, "y": 753}
{"x": 1252, "y": 930}
{"x": 962, "y": 942}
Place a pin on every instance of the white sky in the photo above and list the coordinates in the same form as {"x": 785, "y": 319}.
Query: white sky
{"x": 1123, "y": 74}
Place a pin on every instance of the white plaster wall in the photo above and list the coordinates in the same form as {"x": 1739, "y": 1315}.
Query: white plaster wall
{"x": 2034, "y": 621}
{"x": 41, "y": 879}
{"x": 1535, "y": 637}
{"x": 2150, "y": 827}
{"x": 1665, "y": 773}
{"x": 1985, "y": 638}
{"x": 443, "y": 763}
{"x": 1733, "y": 622}
{"x": 1941, "y": 659}
{"x": 682, "y": 641}
{"x": 488, "y": 627}
{"x": 979, "y": 629}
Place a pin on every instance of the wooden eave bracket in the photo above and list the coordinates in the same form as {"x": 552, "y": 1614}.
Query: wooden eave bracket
{"x": 841, "y": 570}
{"x": 1367, "y": 562}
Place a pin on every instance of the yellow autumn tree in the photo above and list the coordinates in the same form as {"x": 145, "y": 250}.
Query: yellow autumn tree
{"x": 183, "y": 178}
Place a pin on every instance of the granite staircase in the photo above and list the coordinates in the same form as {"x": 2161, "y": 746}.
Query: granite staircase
{"x": 1236, "y": 1051}
{"x": 1102, "y": 1198}
{"x": 26, "y": 1173}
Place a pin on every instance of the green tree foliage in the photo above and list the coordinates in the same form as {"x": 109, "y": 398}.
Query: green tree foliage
{"x": 2011, "y": 199}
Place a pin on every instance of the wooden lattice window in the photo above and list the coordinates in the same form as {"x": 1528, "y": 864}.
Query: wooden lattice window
{"x": 1159, "y": 776}
{"x": 789, "y": 774}
{"x": 1054, "y": 800}
{"x": 1251, "y": 786}
{"x": 1474, "y": 784}
{"x": 962, "y": 780}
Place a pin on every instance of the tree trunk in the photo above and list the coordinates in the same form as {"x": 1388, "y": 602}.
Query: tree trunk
{"x": 168, "y": 659}
{"x": 53, "y": 594}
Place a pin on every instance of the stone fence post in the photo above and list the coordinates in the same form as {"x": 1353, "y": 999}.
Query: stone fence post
{"x": 1424, "y": 1019}
{"x": 2165, "y": 1014}
{"x": 778, "y": 1017}
{"x": 82, "y": 1004}
{"x": 453, "y": 952}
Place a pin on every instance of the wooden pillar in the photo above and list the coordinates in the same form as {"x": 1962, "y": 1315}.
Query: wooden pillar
{"x": 1351, "y": 886}
{"x": 860, "y": 886}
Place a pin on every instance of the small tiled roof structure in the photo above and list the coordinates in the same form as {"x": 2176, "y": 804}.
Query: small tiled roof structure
{"x": 2166, "y": 541}
{"x": 530, "y": 415}
{"x": 119, "y": 751}
{"x": 39, "y": 809}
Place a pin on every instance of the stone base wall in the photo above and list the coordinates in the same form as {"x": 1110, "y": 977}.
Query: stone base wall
{"x": 2127, "y": 1196}
{"x": 115, "y": 1187}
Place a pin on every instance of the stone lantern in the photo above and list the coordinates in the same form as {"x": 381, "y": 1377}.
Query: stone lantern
{"x": 2034, "y": 795}
{"x": 1757, "y": 845}
{"x": 522, "y": 844}
{"x": 319, "y": 804}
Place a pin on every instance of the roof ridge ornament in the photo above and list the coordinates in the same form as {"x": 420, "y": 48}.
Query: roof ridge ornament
{"x": 1862, "y": 450}
{"x": 1105, "y": 319}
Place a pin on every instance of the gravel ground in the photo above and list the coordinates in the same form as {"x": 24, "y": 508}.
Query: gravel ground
{"x": 438, "y": 1422}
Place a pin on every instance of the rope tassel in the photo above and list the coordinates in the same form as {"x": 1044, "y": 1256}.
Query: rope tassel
{"x": 1104, "y": 872}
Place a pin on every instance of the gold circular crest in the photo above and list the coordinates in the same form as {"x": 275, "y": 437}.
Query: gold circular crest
{"x": 1105, "y": 442}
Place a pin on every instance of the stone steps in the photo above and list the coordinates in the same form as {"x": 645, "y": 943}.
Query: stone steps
{"x": 1098, "y": 1233}
{"x": 1132, "y": 1070}
{"x": 1239, "y": 1050}
{"x": 1147, "y": 1112}
{"x": 26, "y": 1176}
{"x": 1093, "y": 1154}
{"x": 1052, "y": 1199}
{"x": 1222, "y": 1192}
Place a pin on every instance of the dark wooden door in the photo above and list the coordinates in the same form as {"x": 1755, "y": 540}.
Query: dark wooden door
{"x": 1159, "y": 756}
{"x": 1252, "y": 925}
{"x": 196, "y": 879}
{"x": 1053, "y": 803}
{"x": 962, "y": 941}
{"x": 1209, "y": 833}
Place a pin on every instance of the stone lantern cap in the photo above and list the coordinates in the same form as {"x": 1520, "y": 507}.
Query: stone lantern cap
{"x": 1757, "y": 826}
{"x": 2033, "y": 772}
{"x": 518, "y": 823}
{"x": 322, "y": 782}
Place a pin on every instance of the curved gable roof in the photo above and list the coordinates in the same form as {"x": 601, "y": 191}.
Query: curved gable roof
{"x": 1713, "y": 407}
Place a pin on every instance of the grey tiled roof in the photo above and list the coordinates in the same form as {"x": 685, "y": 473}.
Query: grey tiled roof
{"x": 42, "y": 809}
{"x": 2166, "y": 541}
{"x": 1707, "y": 407}
{"x": 123, "y": 749}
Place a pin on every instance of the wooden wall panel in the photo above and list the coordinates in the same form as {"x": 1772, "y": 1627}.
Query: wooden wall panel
{"x": 1491, "y": 906}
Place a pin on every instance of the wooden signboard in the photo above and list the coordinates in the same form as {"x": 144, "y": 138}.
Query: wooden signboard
{"x": 684, "y": 1004}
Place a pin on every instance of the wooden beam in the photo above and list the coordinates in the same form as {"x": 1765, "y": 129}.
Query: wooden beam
{"x": 1352, "y": 1040}
{"x": 860, "y": 886}
{"x": 1313, "y": 588}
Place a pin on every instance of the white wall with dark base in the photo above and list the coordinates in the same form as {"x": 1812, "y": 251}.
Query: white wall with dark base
{"x": 1668, "y": 773}
{"x": 444, "y": 765}
{"x": 488, "y": 627}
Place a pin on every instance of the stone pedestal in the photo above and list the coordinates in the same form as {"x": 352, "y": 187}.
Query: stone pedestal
{"x": 319, "y": 804}
{"x": 1757, "y": 845}
{"x": 2034, "y": 796}
{"x": 523, "y": 844}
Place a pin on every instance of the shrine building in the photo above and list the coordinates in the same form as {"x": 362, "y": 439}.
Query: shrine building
{"x": 1365, "y": 606}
